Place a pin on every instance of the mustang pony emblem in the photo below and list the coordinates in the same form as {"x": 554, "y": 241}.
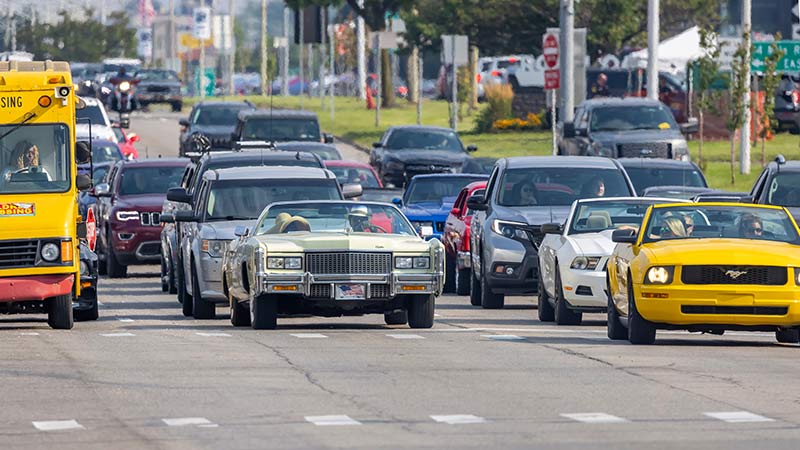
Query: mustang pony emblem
{"x": 734, "y": 274}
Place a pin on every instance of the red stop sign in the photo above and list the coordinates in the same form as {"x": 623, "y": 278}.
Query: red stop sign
{"x": 91, "y": 229}
{"x": 550, "y": 50}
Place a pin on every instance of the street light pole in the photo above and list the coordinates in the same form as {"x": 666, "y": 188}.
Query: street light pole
{"x": 202, "y": 64}
{"x": 361, "y": 45}
{"x": 567, "y": 38}
{"x": 652, "y": 48}
{"x": 232, "y": 47}
{"x": 744, "y": 150}
{"x": 264, "y": 47}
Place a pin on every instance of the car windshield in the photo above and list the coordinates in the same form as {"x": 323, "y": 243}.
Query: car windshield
{"x": 645, "y": 177}
{"x": 34, "y": 158}
{"x": 424, "y": 139}
{"x": 149, "y": 180}
{"x": 245, "y": 199}
{"x": 358, "y": 175}
{"x": 246, "y": 162}
{"x": 632, "y": 117}
{"x": 341, "y": 217}
{"x": 105, "y": 152}
{"x": 703, "y": 222}
{"x": 91, "y": 113}
{"x": 280, "y": 129}
{"x": 217, "y": 115}
{"x": 156, "y": 75}
{"x": 784, "y": 189}
{"x": 438, "y": 190}
{"x": 324, "y": 152}
{"x": 559, "y": 186}
{"x": 596, "y": 216}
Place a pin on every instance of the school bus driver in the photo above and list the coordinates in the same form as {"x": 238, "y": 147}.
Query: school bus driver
{"x": 39, "y": 184}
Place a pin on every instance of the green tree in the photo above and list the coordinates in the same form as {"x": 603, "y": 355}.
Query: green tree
{"x": 770, "y": 82}
{"x": 707, "y": 74}
{"x": 736, "y": 90}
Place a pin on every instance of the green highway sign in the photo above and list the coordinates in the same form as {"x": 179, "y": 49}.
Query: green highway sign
{"x": 789, "y": 63}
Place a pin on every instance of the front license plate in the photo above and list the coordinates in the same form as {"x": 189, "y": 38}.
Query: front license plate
{"x": 350, "y": 292}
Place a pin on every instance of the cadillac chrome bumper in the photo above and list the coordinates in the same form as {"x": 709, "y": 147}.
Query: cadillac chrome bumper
{"x": 424, "y": 283}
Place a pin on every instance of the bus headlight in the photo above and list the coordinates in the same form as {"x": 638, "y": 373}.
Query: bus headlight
{"x": 50, "y": 252}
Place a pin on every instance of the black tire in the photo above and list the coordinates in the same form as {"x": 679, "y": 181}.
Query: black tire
{"x": 59, "y": 314}
{"x": 474, "y": 290}
{"x": 420, "y": 310}
{"x": 177, "y": 106}
{"x": 85, "y": 315}
{"x": 264, "y": 312}
{"x": 449, "y": 274}
{"x": 183, "y": 297}
{"x": 164, "y": 280}
{"x": 462, "y": 281}
{"x": 240, "y": 316}
{"x": 396, "y": 318}
{"x": 640, "y": 330}
{"x": 790, "y": 336}
{"x": 545, "y": 309}
{"x": 490, "y": 300}
{"x": 201, "y": 309}
{"x": 114, "y": 267}
{"x": 173, "y": 285}
{"x": 564, "y": 315}
{"x": 102, "y": 269}
{"x": 616, "y": 332}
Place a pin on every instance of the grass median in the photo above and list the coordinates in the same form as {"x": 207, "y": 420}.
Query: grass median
{"x": 353, "y": 122}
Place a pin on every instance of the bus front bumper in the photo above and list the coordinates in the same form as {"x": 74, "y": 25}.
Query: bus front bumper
{"x": 35, "y": 287}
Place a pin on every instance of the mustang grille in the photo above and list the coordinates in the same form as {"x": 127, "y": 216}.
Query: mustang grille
{"x": 18, "y": 253}
{"x": 349, "y": 263}
{"x": 645, "y": 150}
{"x": 150, "y": 219}
{"x": 746, "y": 310}
{"x": 759, "y": 275}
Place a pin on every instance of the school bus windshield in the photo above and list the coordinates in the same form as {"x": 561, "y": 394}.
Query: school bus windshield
{"x": 34, "y": 158}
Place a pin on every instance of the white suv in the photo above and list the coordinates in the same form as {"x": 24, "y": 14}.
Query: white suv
{"x": 94, "y": 113}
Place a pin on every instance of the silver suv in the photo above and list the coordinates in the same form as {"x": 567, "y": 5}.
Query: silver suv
{"x": 522, "y": 194}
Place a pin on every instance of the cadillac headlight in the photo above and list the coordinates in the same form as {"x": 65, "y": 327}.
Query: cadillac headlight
{"x": 215, "y": 248}
{"x": 659, "y": 275}
{"x": 280, "y": 262}
{"x": 511, "y": 230}
{"x": 412, "y": 262}
{"x": 585, "y": 262}
{"x": 124, "y": 216}
{"x": 422, "y": 263}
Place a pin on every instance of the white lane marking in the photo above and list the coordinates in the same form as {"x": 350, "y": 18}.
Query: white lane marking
{"x": 29, "y": 333}
{"x": 213, "y": 334}
{"x": 459, "y": 419}
{"x": 437, "y": 315}
{"x": 309, "y": 335}
{"x": 503, "y": 337}
{"x": 334, "y": 420}
{"x": 738, "y": 417}
{"x": 125, "y": 319}
{"x": 99, "y": 303}
{"x": 58, "y": 425}
{"x": 594, "y": 418}
{"x": 186, "y": 421}
{"x": 405, "y": 336}
{"x": 117, "y": 334}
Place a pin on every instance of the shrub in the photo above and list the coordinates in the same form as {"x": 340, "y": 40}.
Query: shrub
{"x": 498, "y": 106}
{"x": 530, "y": 122}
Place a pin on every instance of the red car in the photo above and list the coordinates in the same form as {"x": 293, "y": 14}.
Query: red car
{"x": 354, "y": 172}
{"x": 458, "y": 268}
{"x": 125, "y": 141}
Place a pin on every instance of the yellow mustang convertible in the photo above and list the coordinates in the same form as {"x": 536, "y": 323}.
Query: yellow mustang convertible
{"x": 332, "y": 258}
{"x": 706, "y": 267}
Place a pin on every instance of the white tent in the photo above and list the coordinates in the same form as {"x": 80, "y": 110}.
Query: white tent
{"x": 673, "y": 53}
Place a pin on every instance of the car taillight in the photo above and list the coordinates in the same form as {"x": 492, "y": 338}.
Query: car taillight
{"x": 795, "y": 97}
{"x": 512, "y": 60}
{"x": 478, "y": 78}
{"x": 495, "y": 73}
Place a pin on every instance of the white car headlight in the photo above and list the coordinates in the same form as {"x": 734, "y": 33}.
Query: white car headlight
{"x": 585, "y": 262}
{"x": 511, "y": 230}
{"x": 659, "y": 275}
{"x": 403, "y": 262}
{"x": 215, "y": 248}
{"x": 50, "y": 252}
{"x": 84, "y": 269}
{"x": 423, "y": 262}
{"x": 281, "y": 262}
{"x": 124, "y": 216}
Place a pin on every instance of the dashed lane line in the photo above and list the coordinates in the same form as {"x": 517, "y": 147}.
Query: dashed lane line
{"x": 125, "y": 319}
{"x": 503, "y": 337}
{"x": 117, "y": 334}
{"x": 189, "y": 421}
{"x": 309, "y": 335}
{"x": 405, "y": 336}
{"x": 213, "y": 334}
{"x": 459, "y": 419}
{"x": 594, "y": 417}
{"x": 58, "y": 425}
{"x": 738, "y": 417}
{"x": 332, "y": 420}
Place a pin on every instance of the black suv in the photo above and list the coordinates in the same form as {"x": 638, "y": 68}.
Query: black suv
{"x": 214, "y": 120}
{"x": 159, "y": 86}
{"x": 278, "y": 125}
{"x": 779, "y": 184}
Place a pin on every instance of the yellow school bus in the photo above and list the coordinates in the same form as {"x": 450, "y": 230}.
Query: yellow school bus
{"x": 39, "y": 184}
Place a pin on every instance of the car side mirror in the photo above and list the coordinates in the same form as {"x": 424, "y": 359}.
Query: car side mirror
{"x": 185, "y": 216}
{"x": 552, "y": 228}
{"x": 692, "y": 126}
{"x": 178, "y": 194}
{"x": 351, "y": 190}
{"x": 477, "y": 203}
{"x": 455, "y": 211}
{"x": 102, "y": 190}
{"x": 83, "y": 182}
{"x": 83, "y": 152}
{"x": 327, "y": 138}
{"x": 184, "y": 123}
{"x": 568, "y": 130}
{"x": 377, "y": 145}
{"x": 472, "y": 148}
{"x": 241, "y": 231}
{"x": 624, "y": 236}
{"x": 398, "y": 202}
{"x": 167, "y": 218}
{"x": 426, "y": 231}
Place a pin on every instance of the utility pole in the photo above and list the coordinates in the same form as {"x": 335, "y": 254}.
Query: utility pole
{"x": 361, "y": 44}
{"x": 232, "y": 45}
{"x": 264, "y": 48}
{"x": 744, "y": 150}
{"x": 321, "y": 47}
{"x": 567, "y": 38}
{"x": 202, "y": 63}
{"x": 419, "y": 88}
{"x": 300, "y": 58}
{"x": 285, "y": 66}
{"x": 173, "y": 53}
{"x": 652, "y": 48}
{"x": 331, "y": 62}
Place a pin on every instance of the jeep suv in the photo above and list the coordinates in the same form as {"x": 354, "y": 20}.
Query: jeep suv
{"x": 522, "y": 194}
{"x": 278, "y": 125}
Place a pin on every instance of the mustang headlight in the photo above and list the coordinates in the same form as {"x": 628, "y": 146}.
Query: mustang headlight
{"x": 511, "y": 230}
{"x": 281, "y": 262}
{"x": 124, "y": 216}
{"x": 585, "y": 262}
{"x": 659, "y": 275}
{"x": 215, "y": 248}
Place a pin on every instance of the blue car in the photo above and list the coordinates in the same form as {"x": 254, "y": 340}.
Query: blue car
{"x": 428, "y": 199}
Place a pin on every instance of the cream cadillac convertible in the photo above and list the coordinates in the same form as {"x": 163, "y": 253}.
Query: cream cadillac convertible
{"x": 332, "y": 258}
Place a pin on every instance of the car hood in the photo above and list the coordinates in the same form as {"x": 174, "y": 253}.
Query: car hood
{"x": 422, "y": 157}
{"x": 594, "y": 244}
{"x": 148, "y": 202}
{"x": 429, "y": 210}
{"x": 533, "y": 215}
{"x": 723, "y": 251}
{"x": 224, "y": 230}
{"x": 214, "y": 130}
{"x": 636, "y": 136}
{"x": 299, "y": 242}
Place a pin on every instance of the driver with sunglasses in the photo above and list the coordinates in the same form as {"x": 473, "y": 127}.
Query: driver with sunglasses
{"x": 751, "y": 227}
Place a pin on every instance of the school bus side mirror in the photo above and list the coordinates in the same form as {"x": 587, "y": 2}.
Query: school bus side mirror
{"x": 83, "y": 153}
{"x": 83, "y": 182}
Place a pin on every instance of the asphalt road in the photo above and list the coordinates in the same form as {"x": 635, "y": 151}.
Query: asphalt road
{"x": 143, "y": 377}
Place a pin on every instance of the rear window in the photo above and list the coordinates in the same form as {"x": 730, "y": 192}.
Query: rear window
{"x": 149, "y": 180}
{"x": 218, "y": 115}
{"x": 643, "y": 177}
{"x": 281, "y": 130}
{"x": 91, "y": 113}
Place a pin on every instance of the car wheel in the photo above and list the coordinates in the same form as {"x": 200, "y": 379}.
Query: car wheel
{"x": 545, "y": 309}
{"x": 396, "y": 318}
{"x": 202, "y": 309}
{"x": 102, "y": 269}
{"x": 173, "y": 285}
{"x": 474, "y": 290}
{"x": 113, "y": 266}
{"x": 790, "y": 336}
{"x": 264, "y": 312}
{"x": 59, "y": 314}
{"x": 640, "y": 330}
{"x": 489, "y": 300}
{"x": 462, "y": 281}
{"x": 240, "y": 316}
{"x": 164, "y": 281}
{"x": 177, "y": 106}
{"x": 449, "y": 274}
{"x": 564, "y": 315}
{"x": 616, "y": 332}
{"x": 420, "y": 310}
{"x": 85, "y": 315}
{"x": 183, "y": 296}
